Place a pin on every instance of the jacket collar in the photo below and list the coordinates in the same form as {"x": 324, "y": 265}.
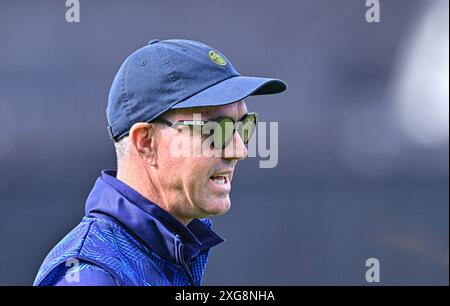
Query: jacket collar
{"x": 157, "y": 228}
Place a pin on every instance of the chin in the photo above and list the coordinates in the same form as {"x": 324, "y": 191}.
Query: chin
{"x": 217, "y": 207}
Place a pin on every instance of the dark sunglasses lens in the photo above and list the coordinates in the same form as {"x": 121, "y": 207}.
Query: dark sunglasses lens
{"x": 226, "y": 128}
{"x": 247, "y": 128}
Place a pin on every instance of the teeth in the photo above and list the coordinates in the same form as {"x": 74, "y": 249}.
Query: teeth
{"x": 219, "y": 180}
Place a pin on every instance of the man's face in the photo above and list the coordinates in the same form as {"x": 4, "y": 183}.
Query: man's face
{"x": 194, "y": 185}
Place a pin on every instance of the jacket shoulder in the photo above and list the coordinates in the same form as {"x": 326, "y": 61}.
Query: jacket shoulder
{"x": 98, "y": 242}
{"x": 82, "y": 274}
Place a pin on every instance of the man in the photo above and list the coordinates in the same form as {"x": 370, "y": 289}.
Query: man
{"x": 146, "y": 224}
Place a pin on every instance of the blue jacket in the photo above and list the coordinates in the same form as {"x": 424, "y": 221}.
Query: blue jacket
{"x": 124, "y": 239}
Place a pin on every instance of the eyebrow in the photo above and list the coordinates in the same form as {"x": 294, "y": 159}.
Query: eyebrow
{"x": 184, "y": 121}
{"x": 205, "y": 120}
{"x": 215, "y": 119}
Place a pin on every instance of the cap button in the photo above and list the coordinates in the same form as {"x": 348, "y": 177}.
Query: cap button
{"x": 153, "y": 41}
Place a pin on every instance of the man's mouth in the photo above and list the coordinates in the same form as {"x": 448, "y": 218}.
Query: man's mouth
{"x": 220, "y": 179}
{"x": 221, "y": 182}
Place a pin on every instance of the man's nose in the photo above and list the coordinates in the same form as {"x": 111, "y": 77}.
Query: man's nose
{"x": 236, "y": 149}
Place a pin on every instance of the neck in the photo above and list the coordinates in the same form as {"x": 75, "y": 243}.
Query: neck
{"x": 140, "y": 181}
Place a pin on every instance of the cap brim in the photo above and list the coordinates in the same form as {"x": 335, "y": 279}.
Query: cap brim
{"x": 232, "y": 90}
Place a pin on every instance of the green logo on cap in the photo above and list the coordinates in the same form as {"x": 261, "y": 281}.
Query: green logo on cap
{"x": 217, "y": 58}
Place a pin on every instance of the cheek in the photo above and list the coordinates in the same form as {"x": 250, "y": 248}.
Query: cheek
{"x": 171, "y": 169}
{"x": 195, "y": 177}
{"x": 196, "y": 170}
{"x": 186, "y": 173}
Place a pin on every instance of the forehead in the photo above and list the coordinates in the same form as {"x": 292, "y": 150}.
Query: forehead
{"x": 234, "y": 110}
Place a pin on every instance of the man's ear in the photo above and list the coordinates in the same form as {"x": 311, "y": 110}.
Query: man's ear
{"x": 143, "y": 139}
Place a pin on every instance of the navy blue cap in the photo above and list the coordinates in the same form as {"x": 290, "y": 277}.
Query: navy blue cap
{"x": 172, "y": 74}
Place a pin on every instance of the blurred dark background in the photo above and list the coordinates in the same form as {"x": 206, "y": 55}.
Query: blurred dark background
{"x": 363, "y": 132}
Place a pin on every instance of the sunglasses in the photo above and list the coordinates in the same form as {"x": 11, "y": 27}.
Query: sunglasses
{"x": 223, "y": 128}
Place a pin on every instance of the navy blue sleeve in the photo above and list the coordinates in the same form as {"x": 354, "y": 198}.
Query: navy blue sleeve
{"x": 87, "y": 275}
